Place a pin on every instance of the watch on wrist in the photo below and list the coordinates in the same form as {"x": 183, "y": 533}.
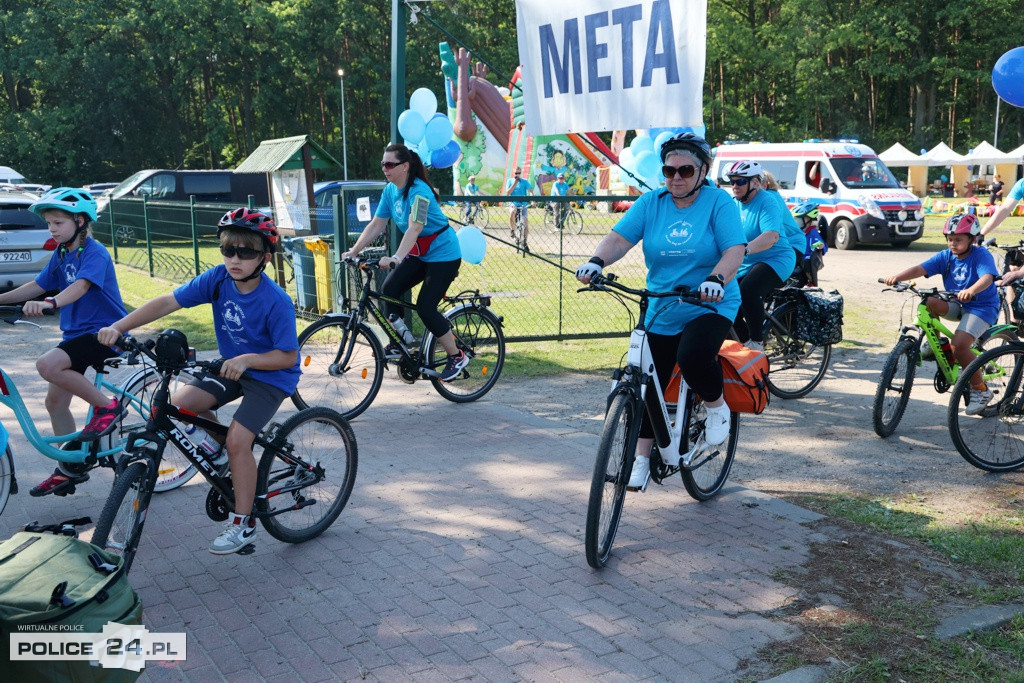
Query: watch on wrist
{"x": 746, "y": 250}
{"x": 598, "y": 260}
{"x": 53, "y": 302}
{"x": 717, "y": 277}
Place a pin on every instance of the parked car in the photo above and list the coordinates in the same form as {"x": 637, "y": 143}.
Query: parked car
{"x": 34, "y": 188}
{"x": 325, "y": 192}
{"x": 25, "y": 244}
{"x": 97, "y": 189}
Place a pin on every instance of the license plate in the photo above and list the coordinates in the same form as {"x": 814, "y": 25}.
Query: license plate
{"x": 15, "y": 256}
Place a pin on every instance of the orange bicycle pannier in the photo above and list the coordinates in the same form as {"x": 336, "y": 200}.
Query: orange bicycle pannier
{"x": 743, "y": 373}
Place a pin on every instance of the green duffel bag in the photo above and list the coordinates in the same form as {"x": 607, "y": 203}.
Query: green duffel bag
{"x": 59, "y": 584}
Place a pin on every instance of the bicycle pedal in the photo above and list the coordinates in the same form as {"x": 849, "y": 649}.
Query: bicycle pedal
{"x": 247, "y": 549}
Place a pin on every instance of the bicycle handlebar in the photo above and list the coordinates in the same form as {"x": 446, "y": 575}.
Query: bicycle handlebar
{"x": 901, "y": 287}
{"x": 134, "y": 346}
{"x": 16, "y": 309}
{"x": 602, "y": 282}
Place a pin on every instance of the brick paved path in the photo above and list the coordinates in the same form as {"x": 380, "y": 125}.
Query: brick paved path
{"x": 459, "y": 556}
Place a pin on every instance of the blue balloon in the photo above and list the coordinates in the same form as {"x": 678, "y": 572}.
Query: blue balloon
{"x": 641, "y": 144}
{"x": 1008, "y": 76}
{"x": 648, "y": 164}
{"x": 660, "y": 140}
{"x": 472, "y": 243}
{"x": 424, "y": 152}
{"x": 423, "y": 102}
{"x": 446, "y": 156}
{"x": 411, "y": 126}
{"x": 438, "y": 132}
{"x": 626, "y": 158}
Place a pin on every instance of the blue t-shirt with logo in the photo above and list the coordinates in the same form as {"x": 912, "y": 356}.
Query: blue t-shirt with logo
{"x": 420, "y": 205}
{"x": 472, "y": 189}
{"x": 521, "y": 189}
{"x": 262, "y": 320}
{"x": 681, "y": 247}
{"x": 758, "y": 216}
{"x": 960, "y": 273}
{"x": 793, "y": 234}
{"x": 101, "y": 304}
{"x": 560, "y": 188}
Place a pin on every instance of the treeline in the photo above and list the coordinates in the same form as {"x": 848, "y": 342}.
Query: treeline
{"x": 93, "y": 90}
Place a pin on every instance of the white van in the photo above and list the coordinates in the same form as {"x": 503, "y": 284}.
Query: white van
{"x": 855, "y": 192}
{"x": 9, "y": 176}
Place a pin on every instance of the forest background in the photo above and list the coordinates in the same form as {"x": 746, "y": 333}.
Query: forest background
{"x": 94, "y": 90}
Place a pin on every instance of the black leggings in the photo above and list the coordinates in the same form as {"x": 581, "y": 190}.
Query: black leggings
{"x": 695, "y": 349}
{"x": 758, "y": 283}
{"x": 435, "y": 276}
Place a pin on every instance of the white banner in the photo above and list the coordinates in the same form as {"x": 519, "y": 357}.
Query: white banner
{"x": 597, "y": 65}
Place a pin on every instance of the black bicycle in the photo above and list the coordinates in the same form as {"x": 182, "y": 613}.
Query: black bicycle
{"x": 305, "y": 475}
{"x": 797, "y": 366}
{"x": 343, "y": 361}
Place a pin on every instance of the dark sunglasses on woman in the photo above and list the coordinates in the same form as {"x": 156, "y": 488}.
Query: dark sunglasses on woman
{"x": 683, "y": 171}
{"x": 738, "y": 180}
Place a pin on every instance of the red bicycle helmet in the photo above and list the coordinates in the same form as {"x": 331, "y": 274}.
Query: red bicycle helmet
{"x": 962, "y": 224}
{"x": 247, "y": 219}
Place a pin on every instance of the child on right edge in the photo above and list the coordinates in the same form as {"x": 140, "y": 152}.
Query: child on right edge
{"x": 971, "y": 271}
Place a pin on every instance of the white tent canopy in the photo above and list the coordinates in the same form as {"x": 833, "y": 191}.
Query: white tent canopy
{"x": 898, "y": 155}
{"x": 942, "y": 155}
{"x": 1017, "y": 154}
{"x": 984, "y": 153}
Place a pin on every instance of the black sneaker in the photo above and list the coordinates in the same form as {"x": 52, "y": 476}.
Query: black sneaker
{"x": 454, "y": 366}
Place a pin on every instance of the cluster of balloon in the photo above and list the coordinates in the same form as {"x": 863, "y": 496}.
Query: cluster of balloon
{"x": 472, "y": 243}
{"x": 428, "y": 131}
{"x": 1008, "y": 76}
{"x": 643, "y": 156}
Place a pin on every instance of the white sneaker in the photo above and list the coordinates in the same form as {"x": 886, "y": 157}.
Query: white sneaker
{"x": 754, "y": 345}
{"x": 641, "y": 475}
{"x": 233, "y": 538}
{"x": 978, "y": 400}
{"x": 716, "y": 426}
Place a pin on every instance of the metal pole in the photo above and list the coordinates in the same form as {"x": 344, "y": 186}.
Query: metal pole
{"x": 399, "y": 16}
{"x": 344, "y": 141}
{"x": 995, "y": 138}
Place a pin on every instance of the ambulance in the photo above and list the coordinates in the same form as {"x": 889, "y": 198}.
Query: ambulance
{"x": 856, "y": 194}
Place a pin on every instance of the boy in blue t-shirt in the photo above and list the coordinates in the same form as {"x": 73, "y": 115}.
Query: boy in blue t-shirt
{"x": 254, "y": 321}
{"x": 970, "y": 271}
{"x": 88, "y": 298}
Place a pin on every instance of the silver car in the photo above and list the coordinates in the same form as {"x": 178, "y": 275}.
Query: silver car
{"x": 25, "y": 244}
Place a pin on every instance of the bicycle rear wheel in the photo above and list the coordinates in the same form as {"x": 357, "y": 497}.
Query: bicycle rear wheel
{"x": 573, "y": 222}
{"x": 796, "y": 366}
{"x": 6, "y": 476}
{"x": 482, "y": 218}
{"x": 894, "y": 386}
{"x": 119, "y": 528}
{"x": 175, "y": 469}
{"x": 478, "y": 333}
{"x": 341, "y": 368}
{"x": 994, "y": 439}
{"x": 550, "y": 222}
{"x": 615, "y": 454}
{"x": 707, "y": 472}
{"x": 322, "y": 438}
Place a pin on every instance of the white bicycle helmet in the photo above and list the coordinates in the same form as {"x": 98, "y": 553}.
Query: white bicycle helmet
{"x": 746, "y": 169}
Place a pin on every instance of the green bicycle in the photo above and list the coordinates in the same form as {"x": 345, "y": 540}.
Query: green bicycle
{"x": 897, "y": 378}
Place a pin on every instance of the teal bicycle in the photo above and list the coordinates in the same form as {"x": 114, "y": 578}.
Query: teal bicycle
{"x": 135, "y": 392}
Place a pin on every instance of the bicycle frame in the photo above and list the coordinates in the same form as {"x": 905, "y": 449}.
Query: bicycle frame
{"x": 11, "y": 397}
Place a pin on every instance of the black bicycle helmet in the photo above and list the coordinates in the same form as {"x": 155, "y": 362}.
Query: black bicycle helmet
{"x": 690, "y": 143}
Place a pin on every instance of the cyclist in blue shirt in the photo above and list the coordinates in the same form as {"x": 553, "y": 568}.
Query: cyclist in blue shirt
{"x": 691, "y": 236}
{"x": 254, "y": 322}
{"x": 518, "y": 186}
{"x": 89, "y": 298}
{"x": 971, "y": 271}
{"x": 559, "y": 188}
{"x": 471, "y": 209}
{"x": 428, "y": 255}
{"x": 769, "y": 259}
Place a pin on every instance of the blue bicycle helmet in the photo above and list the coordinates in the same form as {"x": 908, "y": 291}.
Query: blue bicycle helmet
{"x": 74, "y": 200}
{"x": 808, "y": 210}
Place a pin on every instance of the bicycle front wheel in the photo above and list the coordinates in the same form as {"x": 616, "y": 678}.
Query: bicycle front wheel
{"x": 992, "y": 440}
{"x": 6, "y": 476}
{"x": 894, "y": 386}
{"x": 322, "y": 438}
{"x": 550, "y": 219}
{"x": 175, "y": 469}
{"x": 796, "y": 366}
{"x": 573, "y": 222}
{"x": 341, "y": 368}
{"x": 119, "y": 528}
{"x": 482, "y": 218}
{"x": 615, "y": 454}
{"x": 478, "y": 333}
{"x": 709, "y": 468}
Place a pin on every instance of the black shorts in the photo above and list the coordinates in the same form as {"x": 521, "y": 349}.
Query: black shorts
{"x": 85, "y": 352}
{"x": 260, "y": 400}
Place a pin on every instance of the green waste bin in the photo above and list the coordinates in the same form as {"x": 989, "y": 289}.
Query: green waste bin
{"x": 305, "y": 272}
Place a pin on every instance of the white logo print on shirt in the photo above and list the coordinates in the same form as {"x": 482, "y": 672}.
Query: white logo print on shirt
{"x": 679, "y": 233}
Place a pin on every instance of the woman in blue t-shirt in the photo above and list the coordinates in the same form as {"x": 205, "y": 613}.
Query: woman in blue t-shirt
{"x": 428, "y": 253}
{"x": 691, "y": 236}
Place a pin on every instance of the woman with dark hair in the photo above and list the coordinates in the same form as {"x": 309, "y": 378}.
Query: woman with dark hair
{"x": 428, "y": 253}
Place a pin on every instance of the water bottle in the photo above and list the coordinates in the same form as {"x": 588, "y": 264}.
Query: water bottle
{"x": 401, "y": 328}
{"x": 217, "y": 453}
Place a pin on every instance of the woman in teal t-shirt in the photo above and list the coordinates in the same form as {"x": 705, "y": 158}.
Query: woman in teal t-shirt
{"x": 429, "y": 252}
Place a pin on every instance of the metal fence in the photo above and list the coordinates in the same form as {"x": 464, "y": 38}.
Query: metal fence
{"x": 534, "y": 291}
